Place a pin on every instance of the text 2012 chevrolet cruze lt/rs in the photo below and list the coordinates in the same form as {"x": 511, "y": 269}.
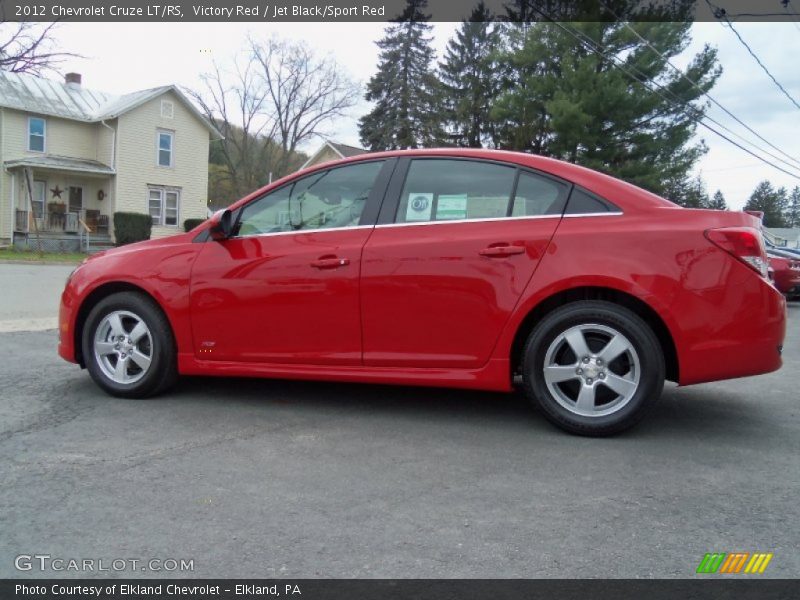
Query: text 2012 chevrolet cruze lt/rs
{"x": 459, "y": 268}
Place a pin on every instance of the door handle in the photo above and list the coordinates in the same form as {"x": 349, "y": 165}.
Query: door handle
{"x": 501, "y": 250}
{"x": 330, "y": 262}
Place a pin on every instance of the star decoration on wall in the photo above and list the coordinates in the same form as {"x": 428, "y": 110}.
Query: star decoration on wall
{"x": 56, "y": 192}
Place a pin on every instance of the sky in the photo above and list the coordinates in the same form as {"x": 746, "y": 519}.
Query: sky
{"x": 119, "y": 58}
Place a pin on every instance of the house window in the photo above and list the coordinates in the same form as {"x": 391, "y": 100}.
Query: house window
{"x": 36, "y": 133}
{"x": 163, "y": 204}
{"x": 39, "y": 189}
{"x": 165, "y": 140}
{"x": 167, "y": 109}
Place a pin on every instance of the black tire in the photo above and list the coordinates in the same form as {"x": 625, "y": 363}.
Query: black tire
{"x": 643, "y": 347}
{"x": 162, "y": 371}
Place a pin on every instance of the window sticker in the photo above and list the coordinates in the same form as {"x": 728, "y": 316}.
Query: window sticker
{"x": 451, "y": 206}
{"x": 419, "y": 207}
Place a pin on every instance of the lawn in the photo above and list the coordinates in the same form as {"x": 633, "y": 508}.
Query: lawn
{"x": 44, "y": 257}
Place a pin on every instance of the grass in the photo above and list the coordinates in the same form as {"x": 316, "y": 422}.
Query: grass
{"x": 45, "y": 257}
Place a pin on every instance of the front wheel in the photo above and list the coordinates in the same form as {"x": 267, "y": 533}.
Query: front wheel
{"x": 593, "y": 367}
{"x": 128, "y": 346}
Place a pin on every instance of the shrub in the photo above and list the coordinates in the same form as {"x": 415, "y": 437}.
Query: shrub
{"x": 131, "y": 227}
{"x": 190, "y": 224}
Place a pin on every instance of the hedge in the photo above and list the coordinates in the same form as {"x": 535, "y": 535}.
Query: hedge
{"x": 131, "y": 227}
{"x": 190, "y": 224}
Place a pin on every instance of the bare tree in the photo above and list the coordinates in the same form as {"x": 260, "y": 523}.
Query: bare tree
{"x": 29, "y": 48}
{"x": 304, "y": 93}
{"x": 276, "y": 96}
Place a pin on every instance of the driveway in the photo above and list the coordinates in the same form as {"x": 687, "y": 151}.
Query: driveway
{"x": 29, "y": 296}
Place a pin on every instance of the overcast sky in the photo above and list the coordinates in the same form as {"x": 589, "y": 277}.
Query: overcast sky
{"x": 125, "y": 57}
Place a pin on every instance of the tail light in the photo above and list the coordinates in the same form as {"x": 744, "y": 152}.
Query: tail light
{"x": 743, "y": 243}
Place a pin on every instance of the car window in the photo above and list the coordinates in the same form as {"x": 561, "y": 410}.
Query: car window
{"x": 583, "y": 202}
{"x": 447, "y": 190}
{"x": 537, "y": 195}
{"x": 323, "y": 200}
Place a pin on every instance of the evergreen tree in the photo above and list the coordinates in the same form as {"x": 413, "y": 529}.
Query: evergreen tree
{"x": 404, "y": 89}
{"x": 769, "y": 201}
{"x": 689, "y": 192}
{"x": 469, "y": 81}
{"x": 792, "y": 212}
{"x": 717, "y": 202}
{"x": 573, "y": 102}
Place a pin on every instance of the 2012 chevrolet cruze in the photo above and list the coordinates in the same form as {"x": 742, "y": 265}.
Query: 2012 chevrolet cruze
{"x": 461, "y": 268}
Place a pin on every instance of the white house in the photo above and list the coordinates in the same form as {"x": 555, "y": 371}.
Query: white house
{"x": 332, "y": 151}
{"x": 72, "y": 157}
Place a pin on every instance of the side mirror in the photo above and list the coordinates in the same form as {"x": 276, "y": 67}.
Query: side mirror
{"x": 221, "y": 225}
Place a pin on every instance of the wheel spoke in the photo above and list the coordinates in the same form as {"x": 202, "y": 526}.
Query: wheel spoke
{"x": 624, "y": 387}
{"x": 116, "y": 324}
{"x": 140, "y": 359}
{"x": 616, "y": 346}
{"x": 104, "y": 348}
{"x": 121, "y": 370}
{"x": 577, "y": 342}
{"x": 586, "y": 398}
{"x": 138, "y": 332}
{"x": 559, "y": 373}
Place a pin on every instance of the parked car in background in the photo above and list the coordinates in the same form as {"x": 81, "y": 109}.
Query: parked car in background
{"x": 452, "y": 267}
{"x": 787, "y": 274}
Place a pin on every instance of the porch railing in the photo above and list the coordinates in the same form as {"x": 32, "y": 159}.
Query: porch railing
{"x": 68, "y": 222}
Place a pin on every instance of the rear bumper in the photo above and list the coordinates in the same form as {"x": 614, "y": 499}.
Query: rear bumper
{"x": 742, "y": 336}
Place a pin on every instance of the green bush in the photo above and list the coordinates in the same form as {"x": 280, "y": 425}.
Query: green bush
{"x": 190, "y": 224}
{"x": 131, "y": 227}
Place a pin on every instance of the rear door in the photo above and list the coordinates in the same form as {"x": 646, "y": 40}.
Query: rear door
{"x": 456, "y": 244}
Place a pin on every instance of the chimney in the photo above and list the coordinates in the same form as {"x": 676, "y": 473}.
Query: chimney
{"x": 73, "y": 80}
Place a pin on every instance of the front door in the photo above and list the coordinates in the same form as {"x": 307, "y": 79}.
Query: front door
{"x": 285, "y": 288}
{"x": 75, "y": 199}
{"x": 441, "y": 279}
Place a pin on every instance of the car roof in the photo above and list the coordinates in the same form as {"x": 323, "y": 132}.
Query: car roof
{"x": 627, "y": 195}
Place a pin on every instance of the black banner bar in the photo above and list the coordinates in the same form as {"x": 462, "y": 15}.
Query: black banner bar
{"x": 735, "y": 587}
{"x": 271, "y": 11}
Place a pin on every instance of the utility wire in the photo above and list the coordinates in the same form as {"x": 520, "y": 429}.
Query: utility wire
{"x": 792, "y": 13}
{"x": 712, "y": 99}
{"x": 721, "y": 14}
{"x": 643, "y": 79}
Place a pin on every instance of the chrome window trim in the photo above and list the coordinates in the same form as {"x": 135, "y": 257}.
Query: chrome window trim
{"x": 424, "y": 223}
{"x": 492, "y": 219}
{"x": 602, "y": 214}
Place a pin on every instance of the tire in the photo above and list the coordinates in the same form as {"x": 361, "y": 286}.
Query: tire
{"x": 128, "y": 346}
{"x": 603, "y": 388}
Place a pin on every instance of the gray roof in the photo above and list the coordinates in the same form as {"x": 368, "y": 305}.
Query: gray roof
{"x": 792, "y": 234}
{"x": 347, "y": 151}
{"x": 69, "y": 101}
{"x": 61, "y": 163}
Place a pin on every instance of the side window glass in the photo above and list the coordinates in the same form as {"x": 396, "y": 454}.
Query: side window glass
{"x": 584, "y": 202}
{"x": 537, "y": 195}
{"x": 325, "y": 200}
{"x": 448, "y": 190}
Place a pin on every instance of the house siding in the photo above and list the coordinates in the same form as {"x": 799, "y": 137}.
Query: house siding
{"x": 327, "y": 154}
{"x": 136, "y": 161}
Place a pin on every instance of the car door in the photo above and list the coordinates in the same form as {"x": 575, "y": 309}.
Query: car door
{"x": 456, "y": 244}
{"x": 285, "y": 287}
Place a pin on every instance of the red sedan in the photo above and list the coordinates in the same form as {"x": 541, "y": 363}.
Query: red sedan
{"x": 787, "y": 274}
{"x": 458, "y": 268}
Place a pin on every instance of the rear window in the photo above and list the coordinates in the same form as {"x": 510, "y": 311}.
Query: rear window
{"x": 583, "y": 202}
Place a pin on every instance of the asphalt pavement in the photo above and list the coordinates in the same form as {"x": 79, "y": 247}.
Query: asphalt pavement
{"x": 258, "y": 478}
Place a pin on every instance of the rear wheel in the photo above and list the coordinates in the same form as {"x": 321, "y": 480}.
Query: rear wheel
{"x": 593, "y": 367}
{"x": 128, "y": 346}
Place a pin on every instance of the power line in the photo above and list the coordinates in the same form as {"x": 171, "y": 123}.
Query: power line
{"x": 793, "y": 13}
{"x": 712, "y": 99}
{"x": 694, "y": 117}
{"x": 720, "y": 13}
